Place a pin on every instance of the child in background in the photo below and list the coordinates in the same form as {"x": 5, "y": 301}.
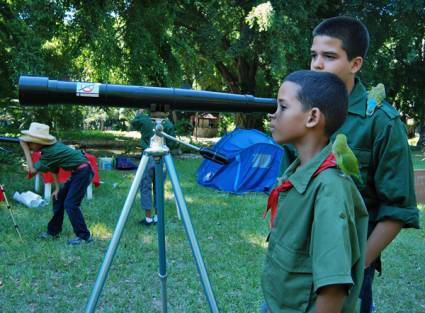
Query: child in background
{"x": 55, "y": 155}
{"x": 143, "y": 123}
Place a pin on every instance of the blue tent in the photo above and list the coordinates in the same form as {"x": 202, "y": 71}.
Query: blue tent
{"x": 254, "y": 163}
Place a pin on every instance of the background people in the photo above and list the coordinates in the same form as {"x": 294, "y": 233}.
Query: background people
{"x": 144, "y": 124}
{"x": 55, "y": 155}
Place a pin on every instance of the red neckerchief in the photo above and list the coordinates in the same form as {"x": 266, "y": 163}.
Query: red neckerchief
{"x": 2, "y": 198}
{"x": 287, "y": 185}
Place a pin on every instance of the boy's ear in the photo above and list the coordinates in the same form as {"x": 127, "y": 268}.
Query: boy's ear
{"x": 314, "y": 118}
{"x": 356, "y": 64}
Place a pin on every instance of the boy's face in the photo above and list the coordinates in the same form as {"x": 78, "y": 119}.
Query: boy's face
{"x": 327, "y": 55}
{"x": 34, "y": 146}
{"x": 287, "y": 124}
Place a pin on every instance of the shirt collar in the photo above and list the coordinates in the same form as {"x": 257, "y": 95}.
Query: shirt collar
{"x": 302, "y": 177}
{"x": 357, "y": 101}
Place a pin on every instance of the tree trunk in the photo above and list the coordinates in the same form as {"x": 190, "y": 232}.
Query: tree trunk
{"x": 249, "y": 120}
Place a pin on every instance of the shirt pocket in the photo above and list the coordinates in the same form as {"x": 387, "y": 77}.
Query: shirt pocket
{"x": 290, "y": 278}
{"x": 364, "y": 158}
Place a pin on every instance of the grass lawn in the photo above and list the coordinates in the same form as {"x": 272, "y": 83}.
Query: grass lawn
{"x": 39, "y": 276}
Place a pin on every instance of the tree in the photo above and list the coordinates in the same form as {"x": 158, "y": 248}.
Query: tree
{"x": 231, "y": 46}
{"x": 31, "y": 45}
{"x": 245, "y": 47}
{"x": 397, "y": 53}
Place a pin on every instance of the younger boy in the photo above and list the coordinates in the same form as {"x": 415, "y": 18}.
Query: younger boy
{"x": 55, "y": 155}
{"x": 315, "y": 257}
{"x": 143, "y": 123}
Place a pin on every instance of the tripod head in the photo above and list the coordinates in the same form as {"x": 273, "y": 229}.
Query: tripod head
{"x": 158, "y": 146}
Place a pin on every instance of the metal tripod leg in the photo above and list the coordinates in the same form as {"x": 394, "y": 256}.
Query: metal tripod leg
{"x": 190, "y": 234}
{"x": 159, "y": 190}
{"x": 104, "y": 269}
{"x": 11, "y": 213}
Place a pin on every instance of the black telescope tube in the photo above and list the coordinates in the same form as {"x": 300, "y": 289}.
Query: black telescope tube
{"x": 42, "y": 91}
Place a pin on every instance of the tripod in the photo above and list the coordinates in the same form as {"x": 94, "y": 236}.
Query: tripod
{"x": 10, "y": 212}
{"x": 160, "y": 153}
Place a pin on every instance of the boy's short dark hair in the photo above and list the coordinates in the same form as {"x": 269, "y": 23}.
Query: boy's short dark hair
{"x": 325, "y": 91}
{"x": 353, "y": 34}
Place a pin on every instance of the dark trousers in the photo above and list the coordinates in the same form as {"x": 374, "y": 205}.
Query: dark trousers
{"x": 69, "y": 200}
{"x": 366, "y": 292}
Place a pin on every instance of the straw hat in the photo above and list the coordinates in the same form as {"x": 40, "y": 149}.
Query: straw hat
{"x": 38, "y": 133}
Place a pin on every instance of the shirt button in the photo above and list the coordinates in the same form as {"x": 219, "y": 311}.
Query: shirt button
{"x": 342, "y": 215}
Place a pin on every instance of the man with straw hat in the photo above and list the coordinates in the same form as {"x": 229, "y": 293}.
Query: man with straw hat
{"x": 55, "y": 155}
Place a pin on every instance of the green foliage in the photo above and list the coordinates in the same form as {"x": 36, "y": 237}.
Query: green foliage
{"x": 226, "y": 123}
{"x": 239, "y": 47}
{"x": 397, "y": 53}
{"x": 10, "y": 156}
{"x": 183, "y": 127}
{"x": 95, "y": 135}
{"x": 261, "y": 15}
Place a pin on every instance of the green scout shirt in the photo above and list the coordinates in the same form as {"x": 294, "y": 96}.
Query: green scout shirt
{"x": 318, "y": 239}
{"x": 379, "y": 142}
{"x": 58, "y": 156}
{"x": 144, "y": 124}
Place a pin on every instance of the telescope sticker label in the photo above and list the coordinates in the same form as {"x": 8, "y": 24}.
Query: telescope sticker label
{"x": 88, "y": 89}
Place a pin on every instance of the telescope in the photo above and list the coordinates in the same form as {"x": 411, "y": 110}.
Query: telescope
{"x": 9, "y": 139}
{"x": 35, "y": 90}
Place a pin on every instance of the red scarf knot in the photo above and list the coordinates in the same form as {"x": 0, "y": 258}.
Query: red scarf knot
{"x": 287, "y": 185}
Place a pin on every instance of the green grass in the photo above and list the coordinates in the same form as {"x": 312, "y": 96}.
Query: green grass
{"x": 418, "y": 159}
{"x": 401, "y": 288}
{"x": 38, "y": 276}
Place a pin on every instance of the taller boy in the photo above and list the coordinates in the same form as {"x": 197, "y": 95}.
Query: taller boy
{"x": 378, "y": 139}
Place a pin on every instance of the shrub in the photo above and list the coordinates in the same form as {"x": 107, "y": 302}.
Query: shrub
{"x": 183, "y": 127}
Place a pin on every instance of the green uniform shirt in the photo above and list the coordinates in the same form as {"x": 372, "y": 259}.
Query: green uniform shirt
{"x": 143, "y": 123}
{"x": 318, "y": 239}
{"x": 379, "y": 142}
{"x": 58, "y": 156}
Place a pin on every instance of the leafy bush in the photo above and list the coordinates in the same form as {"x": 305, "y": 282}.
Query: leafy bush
{"x": 226, "y": 123}
{"x": 183, "y": 127}
{"x": 10, "y": 157}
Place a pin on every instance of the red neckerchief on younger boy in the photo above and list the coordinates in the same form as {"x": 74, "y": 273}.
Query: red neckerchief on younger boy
{"x": 287, "y": 185}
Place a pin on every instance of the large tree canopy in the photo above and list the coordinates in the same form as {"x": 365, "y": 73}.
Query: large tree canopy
{"x": 231, "y": 46}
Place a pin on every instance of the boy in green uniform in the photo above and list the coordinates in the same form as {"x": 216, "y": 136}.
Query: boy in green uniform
{"x": 143, "y": 123}
{"x": 377, "y": 137}
{"x": 317, "y": 241}
{"x": 55, "y": 155}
